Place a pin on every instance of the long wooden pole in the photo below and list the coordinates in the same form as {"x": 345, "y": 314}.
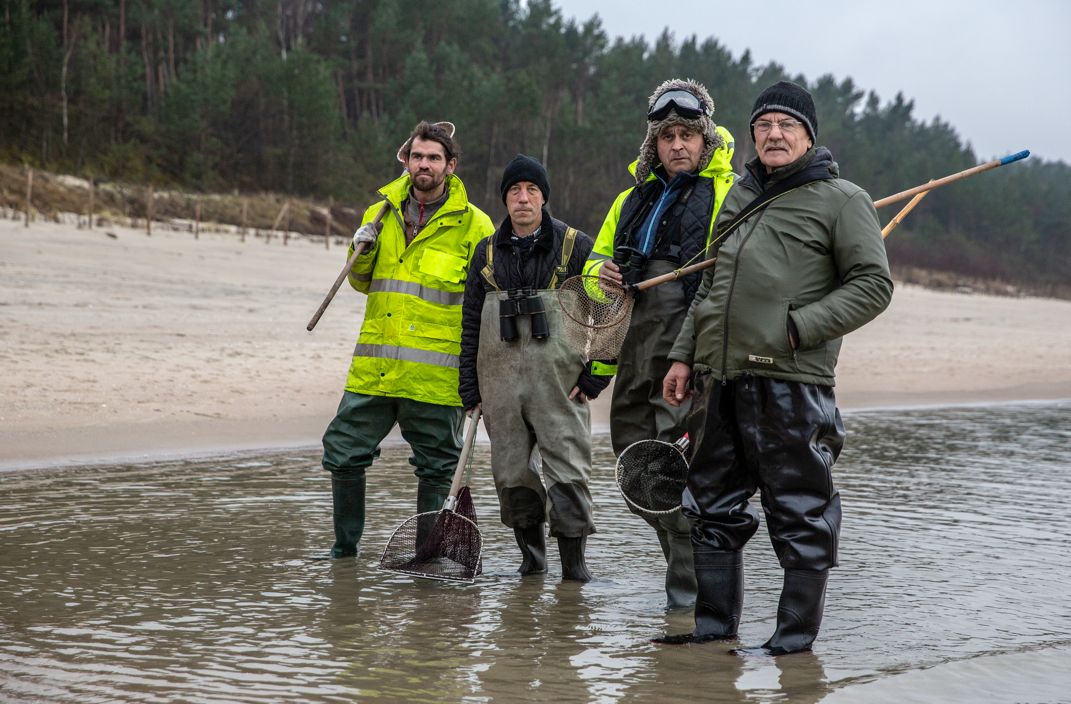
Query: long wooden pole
{"x": 888, "y": 200}
{"x": 895, "y": 222}
{"x": 357, "y": 251}
{"x": 904, "y": 195}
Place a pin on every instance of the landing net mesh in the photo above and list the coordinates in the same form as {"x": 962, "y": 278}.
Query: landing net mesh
{"x": 438, "y": 545}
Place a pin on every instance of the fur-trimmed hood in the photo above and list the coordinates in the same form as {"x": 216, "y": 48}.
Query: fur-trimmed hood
{"x": 648, "y": 157}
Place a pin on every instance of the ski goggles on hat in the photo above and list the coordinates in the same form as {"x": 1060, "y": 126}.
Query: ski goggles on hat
{"x": 684, "y": 103}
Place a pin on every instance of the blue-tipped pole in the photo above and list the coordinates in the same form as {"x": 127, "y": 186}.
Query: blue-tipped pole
{"x": 1015, "y": 157}
{"x": 903, "y": 195}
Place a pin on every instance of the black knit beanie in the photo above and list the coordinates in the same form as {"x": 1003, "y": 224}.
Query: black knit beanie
{"x": 791, "y": 99}
{"x": 525, "y": 168}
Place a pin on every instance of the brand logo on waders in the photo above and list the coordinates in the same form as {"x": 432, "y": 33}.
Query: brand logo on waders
{"x": 759, "y": 360}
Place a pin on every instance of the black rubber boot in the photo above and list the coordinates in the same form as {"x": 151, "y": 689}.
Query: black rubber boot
{"x": 430, "y": 498}
{"x": 571, "y": 551}
{"x": 347, "y": 498}
{"x": 799, "y": 613}
{"x": 533, "y": 544}
{"x": 720, "y": 577}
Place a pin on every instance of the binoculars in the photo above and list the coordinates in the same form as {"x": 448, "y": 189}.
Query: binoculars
{"x": 632, "y": 262}
{"x": 522, "y": 301}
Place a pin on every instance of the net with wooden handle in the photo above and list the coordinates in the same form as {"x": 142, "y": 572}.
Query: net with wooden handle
{"x": 444, "y": 544}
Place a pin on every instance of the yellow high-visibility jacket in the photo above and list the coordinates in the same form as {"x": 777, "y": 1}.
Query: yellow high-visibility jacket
{"x": 411, "y": 336}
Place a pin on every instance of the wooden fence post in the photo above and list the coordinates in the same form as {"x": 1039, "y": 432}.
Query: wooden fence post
{"x": 245, "y": 213}
{"x": 29, "y": 195}
{"x": 92, "y": 186}
{"x": 327, "y": 224}
{"x": 197, "y": 219}
{"x": 278, "y": 218}
{"x": 286, "y": 232}
{"x": 149, "y": 213}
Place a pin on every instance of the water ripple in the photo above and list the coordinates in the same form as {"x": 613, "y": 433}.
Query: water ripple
{"x": 180, "y": 581}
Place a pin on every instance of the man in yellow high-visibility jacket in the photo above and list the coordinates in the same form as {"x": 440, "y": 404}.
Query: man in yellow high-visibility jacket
{"x": 405, "y": 365}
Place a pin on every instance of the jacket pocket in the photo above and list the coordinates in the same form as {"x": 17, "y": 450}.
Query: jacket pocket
{"x": 767, "y": 345}
{"x": 443, "y": 265}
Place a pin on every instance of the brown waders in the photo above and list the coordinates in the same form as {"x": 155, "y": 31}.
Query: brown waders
{"x": 530, "y": 420}
{"x": 638, "y": 412}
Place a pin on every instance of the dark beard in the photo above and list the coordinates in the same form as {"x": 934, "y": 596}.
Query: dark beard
{"x": 436, "y": 183}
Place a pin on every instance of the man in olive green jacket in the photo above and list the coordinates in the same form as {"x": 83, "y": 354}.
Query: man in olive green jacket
{"x": 759, "y": 347}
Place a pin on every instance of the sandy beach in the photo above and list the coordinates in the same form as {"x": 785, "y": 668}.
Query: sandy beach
{"x": 120, "y": 346}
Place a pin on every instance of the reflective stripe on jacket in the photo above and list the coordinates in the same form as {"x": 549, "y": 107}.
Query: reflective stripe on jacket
{"x": 411, "y": 335}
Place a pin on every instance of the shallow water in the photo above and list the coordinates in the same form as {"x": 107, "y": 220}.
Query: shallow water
{"x": 200, "y": 581}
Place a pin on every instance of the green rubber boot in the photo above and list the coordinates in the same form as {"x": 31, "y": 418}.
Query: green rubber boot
{"x": 347, "y": 496}
{"x": 430, "y": 498}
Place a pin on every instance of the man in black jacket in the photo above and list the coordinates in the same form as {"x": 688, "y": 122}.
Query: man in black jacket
{"x": 533, "y": 388}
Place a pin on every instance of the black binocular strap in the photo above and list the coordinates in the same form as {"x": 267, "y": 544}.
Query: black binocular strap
{"x": 783, "y": 188}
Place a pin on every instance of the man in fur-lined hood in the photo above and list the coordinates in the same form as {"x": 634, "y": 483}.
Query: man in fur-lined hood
{"x": 703, "y": 125}
{"x": 662, "y": 223}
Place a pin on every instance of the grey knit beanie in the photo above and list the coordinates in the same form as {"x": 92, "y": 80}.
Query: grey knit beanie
{"x": 704, "y": 125}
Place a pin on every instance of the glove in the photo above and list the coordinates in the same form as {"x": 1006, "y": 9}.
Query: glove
{"x": 366, "y": 233}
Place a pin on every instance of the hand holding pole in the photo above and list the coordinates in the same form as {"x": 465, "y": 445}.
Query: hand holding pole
{"x": 358, "y": 250}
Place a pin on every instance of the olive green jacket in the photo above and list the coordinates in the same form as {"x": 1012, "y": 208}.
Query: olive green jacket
{"x": 814, "y": 255}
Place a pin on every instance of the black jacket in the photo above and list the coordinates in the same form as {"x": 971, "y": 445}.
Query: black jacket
{"x": 681, "y": 234}
{"x": 526, "y": 264}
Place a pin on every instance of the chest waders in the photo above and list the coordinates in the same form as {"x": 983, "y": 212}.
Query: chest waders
{"x": 638, "y": 412}
{"x": 533, "y": 424}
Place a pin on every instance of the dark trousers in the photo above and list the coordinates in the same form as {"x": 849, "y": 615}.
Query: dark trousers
{"x": 433, "y": 432}
{"x": 777, "y": 437}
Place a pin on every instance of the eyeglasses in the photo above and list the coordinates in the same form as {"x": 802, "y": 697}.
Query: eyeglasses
{"x": 686, "y": 104}
{"x": 788, "y": 126}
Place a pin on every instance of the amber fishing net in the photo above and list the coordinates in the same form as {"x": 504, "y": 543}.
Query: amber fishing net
{"x": 596, "y": 316}
{"x": 442, "y": 544}
{"x": 652, "y": 474}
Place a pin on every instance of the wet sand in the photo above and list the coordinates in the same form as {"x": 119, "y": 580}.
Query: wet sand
{"x": 127, "y": 347}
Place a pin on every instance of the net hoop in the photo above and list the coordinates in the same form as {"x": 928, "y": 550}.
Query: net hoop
{"x": 596, "y": 316}
{"x": 629, "y": 481}
{"x": 401, "y": 554}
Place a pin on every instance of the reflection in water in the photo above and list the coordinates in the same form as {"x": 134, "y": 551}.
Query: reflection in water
{"x": 200, "y": 581}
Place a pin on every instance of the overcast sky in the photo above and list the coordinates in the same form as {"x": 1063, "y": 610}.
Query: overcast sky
{"x": 999, "y": 72}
